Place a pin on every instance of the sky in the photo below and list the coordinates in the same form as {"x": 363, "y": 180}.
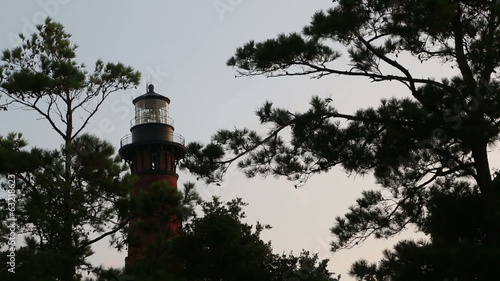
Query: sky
{"x": 181, "y": 47}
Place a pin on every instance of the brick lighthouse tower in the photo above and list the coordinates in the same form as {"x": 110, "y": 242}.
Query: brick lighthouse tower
{"x": 152, "y": 150}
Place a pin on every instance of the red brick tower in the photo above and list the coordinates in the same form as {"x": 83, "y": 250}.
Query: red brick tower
{"x": 152, "y": 150}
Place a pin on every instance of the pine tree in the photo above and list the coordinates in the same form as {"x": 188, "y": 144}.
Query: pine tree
{"x": 434, "y": 139}
{"x": 75, "y": 195}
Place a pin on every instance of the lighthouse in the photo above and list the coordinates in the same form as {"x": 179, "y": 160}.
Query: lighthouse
{"x": 152, "y": 151}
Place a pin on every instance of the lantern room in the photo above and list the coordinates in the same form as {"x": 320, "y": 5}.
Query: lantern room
{"x": 151, "y": 108}
{"x": 152, "y": 146}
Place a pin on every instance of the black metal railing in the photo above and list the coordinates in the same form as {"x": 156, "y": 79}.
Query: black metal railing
{"x": 175, "y": 138}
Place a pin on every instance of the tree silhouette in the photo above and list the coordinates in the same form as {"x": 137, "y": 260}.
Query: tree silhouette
{"x": 69, "y": 198}
{"x": 437, "y": 136}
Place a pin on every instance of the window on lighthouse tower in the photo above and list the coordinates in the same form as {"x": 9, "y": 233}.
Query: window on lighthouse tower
{"x": 154, "y": 161}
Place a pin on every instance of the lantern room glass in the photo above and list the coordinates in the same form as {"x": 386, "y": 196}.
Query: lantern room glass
{"x": 151, "y": 111}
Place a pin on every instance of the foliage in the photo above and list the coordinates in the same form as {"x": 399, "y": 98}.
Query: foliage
{"x": 434, "y": 139}
{"x": 156, "y": 216}
{"x": 109, "y": 274}
{"x": 68, "y": 198}
{"x": 153, "y": 214}
{"x": 98, "y": 196}
{"x": 456, "y": 249}
{"x": 217, "y": 245}
{"x": 190, "y": 200}
{"x": 42, "y": 75}
{"x": 305, "y": 267}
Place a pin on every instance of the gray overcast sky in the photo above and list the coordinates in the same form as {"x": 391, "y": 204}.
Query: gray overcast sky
{"x": 182, "y": 46}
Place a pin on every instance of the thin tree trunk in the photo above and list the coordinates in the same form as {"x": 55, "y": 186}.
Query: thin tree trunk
{"x": 489, "y": 194}
{"x": 68, "y": 246}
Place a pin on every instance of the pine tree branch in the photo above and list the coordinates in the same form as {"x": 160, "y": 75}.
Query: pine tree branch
{"x": 116, "y": 229}
{"x": 46, "y": 115}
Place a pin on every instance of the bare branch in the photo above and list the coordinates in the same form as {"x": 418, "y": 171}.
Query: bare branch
{"x": 104, "y": 235}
